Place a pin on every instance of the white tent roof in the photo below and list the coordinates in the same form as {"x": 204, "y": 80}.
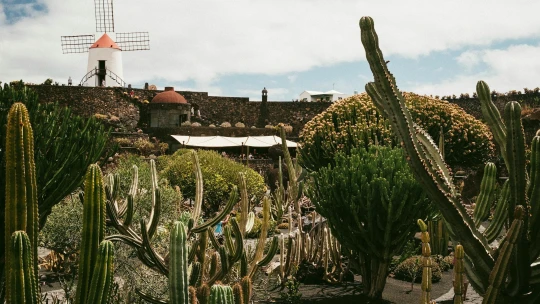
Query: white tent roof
{"x": 223, "y": 141}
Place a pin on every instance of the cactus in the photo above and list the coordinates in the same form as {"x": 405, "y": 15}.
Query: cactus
{"x": 237, "y": 292}
{"x": 438, "y": 236}
{"x": 203, "y": 294}
{"x": 93, "y": 230}
{"x": 484, "y": 199}
{"x": 220, "y": 294}
{"x": 102, "y": 276}
{"x": 23, "y": 282}
{"x": 21, "y": 210}
{"x": 178, "y": 274}
{"x": 247, "y": 287}
{"x": 459, "y": 270}
{"x": 485, "y": 267}
{"x": 223, "y": 258}
{"x": 427, "y": 263}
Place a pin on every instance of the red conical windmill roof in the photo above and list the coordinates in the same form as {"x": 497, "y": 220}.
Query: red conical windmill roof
{"x": 105, "y": 42}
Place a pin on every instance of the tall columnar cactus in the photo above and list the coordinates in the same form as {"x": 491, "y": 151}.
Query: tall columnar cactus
{"x": 23, "y": 282}
{"x": 178, "y": 274}
{"x": 487, "y": 191}
{"x": 521, "y": 273}
{"x": 21, "y": 212}
{"x": 459, "y": 270}
{"x": 93, "y": 230}
{"x": 221, "y": 294}
{"x": 102, "y": 276}
{"x": 427, "y": 263}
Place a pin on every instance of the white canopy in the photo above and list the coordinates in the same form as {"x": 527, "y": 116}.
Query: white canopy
{"x": 223, "y": 141}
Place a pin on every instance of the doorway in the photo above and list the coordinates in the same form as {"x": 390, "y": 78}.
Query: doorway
{"x": 101, "y": 73}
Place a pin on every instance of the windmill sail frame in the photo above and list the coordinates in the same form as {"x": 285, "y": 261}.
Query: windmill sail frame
{"x": 104, "y": 15}
{"x": 77, "y": 43}
{"x": 133, "y": 41}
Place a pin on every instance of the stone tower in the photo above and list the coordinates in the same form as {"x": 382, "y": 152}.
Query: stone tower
{"x": 264, "y": 95}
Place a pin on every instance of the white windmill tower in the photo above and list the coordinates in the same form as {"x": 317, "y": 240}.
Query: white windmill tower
{"x": 105, "y": 55}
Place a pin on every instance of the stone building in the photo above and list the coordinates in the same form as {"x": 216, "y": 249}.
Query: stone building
{"x": 169, "y": 109}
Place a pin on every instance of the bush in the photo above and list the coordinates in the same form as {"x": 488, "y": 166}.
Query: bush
{"x": 195, "y": 124}
{"x": 225, "y": 125}
{"x": 62, "y": 233}
{"x": 239, "y": 125}
{"x": 219, "y": 176}
{"x": 370, "y": 200}
{"x": 411, "y": 269}
{"x": 355, "y": 122}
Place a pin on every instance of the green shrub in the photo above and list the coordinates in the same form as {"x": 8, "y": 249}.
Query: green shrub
{"x": 355, "y": 122}
{"x": 370, "y": 200}
{"x": 411, "y": 269}
{"x": 219, "y": 176}
{"x": 62, "y": 232}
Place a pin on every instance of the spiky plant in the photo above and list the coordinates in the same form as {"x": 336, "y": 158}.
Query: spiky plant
{"x": 513, "y": 263}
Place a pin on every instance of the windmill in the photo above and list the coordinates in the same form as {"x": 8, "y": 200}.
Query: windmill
{"x": 105, "y": 54}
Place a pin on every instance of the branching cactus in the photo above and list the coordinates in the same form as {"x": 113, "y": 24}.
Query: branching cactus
{"x": 209, "y": 260}
{"x": 21, "y": 195}
{"x": 485, "y": 266}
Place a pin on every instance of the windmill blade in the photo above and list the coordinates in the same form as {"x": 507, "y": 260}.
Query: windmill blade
{"x": 76, "y": 44}
{"x": 133, "y": 41}
{"x": 104, "y": 15}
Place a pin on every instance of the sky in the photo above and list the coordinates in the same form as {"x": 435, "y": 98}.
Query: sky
{"x": 237, "y": 47}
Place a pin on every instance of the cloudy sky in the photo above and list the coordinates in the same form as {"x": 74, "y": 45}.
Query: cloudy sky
{"x": 237, "y": 47}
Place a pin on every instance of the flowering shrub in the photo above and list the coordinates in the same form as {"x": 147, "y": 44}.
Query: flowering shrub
{"x": 355, "y": 121}
{"x": 101, "y": 116}
{"x": 269, "y": 126}
{"x": 288, "y": 128}
{"x": 195, "y": 124}
{"x": 186, "y": 124}
{"x": 239, "y": 125}
{"x": 225, "y": 125}
{"x": 212, "y": 126}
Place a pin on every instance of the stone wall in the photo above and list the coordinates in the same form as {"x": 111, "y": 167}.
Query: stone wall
{"x": 107, "y": 104}
{"x": 126, "y": 113}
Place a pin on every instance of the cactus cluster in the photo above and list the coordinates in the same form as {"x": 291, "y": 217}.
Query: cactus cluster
{"x": 95, "y": 274}
{"x": 193, "y": 246}
{"x": 514, "y": 262}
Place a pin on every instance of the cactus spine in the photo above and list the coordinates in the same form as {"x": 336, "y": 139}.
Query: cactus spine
{"x": 459, "y": 270}
{"x": 93, "y": 230}
{"x": 23, "y": 283}
{"x": 220, "y": 294}
{"x": 427, "y": 263}
{"x": 21, "y": 209}
{"x": 178, "y": 274}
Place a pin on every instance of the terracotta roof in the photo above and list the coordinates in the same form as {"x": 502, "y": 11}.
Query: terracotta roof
{"x": 105, "y": 42}
{"x": 169, "y": 96}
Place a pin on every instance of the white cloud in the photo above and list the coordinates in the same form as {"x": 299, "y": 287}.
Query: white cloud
{"x": 469, "y": 59}
{"x": 203, "y": 40}
{"x": 292, "y": 78}
{"x": 512, "y": 68}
